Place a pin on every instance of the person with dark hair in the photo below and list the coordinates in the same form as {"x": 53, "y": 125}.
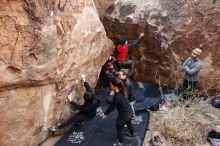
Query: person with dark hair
{"x": 110, "y": 71}
{"x": 114, "y": 62}
{"x": 129, "y": 88}
{"x": 123, "y": 49}
{"x": 87, "y": 111}
{"x": 124, "y": 110}
{"x": 134, "y": 93}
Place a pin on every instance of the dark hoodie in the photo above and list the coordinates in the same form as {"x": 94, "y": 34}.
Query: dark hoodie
{"x": 122, "y": 105}
{"x": 89, "y": 107}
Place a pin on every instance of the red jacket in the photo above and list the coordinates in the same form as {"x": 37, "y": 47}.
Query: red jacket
{"x": 122, "y": 53}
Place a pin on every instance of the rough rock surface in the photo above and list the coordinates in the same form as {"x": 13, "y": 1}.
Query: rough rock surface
{"x": 173, "y": 29}
{"x": 44, "y": 47}
{"x": 102, "y": 6}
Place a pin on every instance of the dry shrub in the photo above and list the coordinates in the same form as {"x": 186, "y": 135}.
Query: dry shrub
{"x": 184, "y": 128}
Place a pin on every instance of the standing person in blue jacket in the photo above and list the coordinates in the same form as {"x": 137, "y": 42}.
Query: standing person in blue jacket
{"x": 124, "y": 110}
{"x": 87, "y": 111}
{"x": 192, "y": 66}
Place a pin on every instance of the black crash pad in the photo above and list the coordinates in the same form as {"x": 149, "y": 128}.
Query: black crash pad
{"x": 147, "y": 103}
{"x": 151, "y": 101}
{"x": 99, "y": 132}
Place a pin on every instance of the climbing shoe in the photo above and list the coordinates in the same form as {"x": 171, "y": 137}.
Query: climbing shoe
{"x": 54, "y": 128}
{"x": 80, "y": 123}
{"x": 117, "y": 143}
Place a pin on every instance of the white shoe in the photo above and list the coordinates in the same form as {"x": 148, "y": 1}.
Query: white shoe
{"x": 54, "y": 128}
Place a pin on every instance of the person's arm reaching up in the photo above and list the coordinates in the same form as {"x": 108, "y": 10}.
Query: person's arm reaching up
{"x": 88, "y": 87}
{"x": 135, "y": 42}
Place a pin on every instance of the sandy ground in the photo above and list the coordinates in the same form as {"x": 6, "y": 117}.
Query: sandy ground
{"x": 210, "y": 115}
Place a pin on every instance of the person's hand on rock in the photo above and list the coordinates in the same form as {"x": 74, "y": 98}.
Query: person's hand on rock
{"x": 83, "y": 78}
{"x": 141, "y": 35}
{"x": 110, "y": 57}
{"x": 70, "y": 98}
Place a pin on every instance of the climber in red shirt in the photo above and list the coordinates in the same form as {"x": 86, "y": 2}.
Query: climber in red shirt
{"x": 122, "y": 51}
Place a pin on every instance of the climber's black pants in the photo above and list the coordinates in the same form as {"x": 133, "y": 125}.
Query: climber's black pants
{"x": 120, "y": 122}
{"x": 78, "y": 117}
{"x": 189, "y": 85}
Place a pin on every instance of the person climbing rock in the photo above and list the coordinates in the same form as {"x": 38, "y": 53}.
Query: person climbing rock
{"x": 124, "y": 110}
{"x": 123, "y": 49}
{"x": 110, "y": 72}
{"x": 114, "y": 62}
{"x": 192, "y": 66}
{"x": 87, "y": 111}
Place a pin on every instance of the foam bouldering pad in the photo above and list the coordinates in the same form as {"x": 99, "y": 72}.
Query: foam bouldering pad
{"x": 99, "y": 132}
{"x": 147, "y": 103}
{"x": 151, "y": 100}
{"x": 152, "y": 92}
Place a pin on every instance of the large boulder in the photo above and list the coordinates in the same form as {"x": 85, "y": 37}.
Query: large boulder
{"x": 102, "y": 6}
{"x": 44, "y": 48}
{"x": 173, "y": 29}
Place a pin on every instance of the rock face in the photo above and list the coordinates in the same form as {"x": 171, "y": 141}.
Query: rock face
{"x": 102, "y": 6}
{"x": 44, "y": 47}
{"x": 173, "y": 29}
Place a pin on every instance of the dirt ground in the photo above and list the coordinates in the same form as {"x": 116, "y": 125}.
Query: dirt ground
{"x": 209, "y": 115}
